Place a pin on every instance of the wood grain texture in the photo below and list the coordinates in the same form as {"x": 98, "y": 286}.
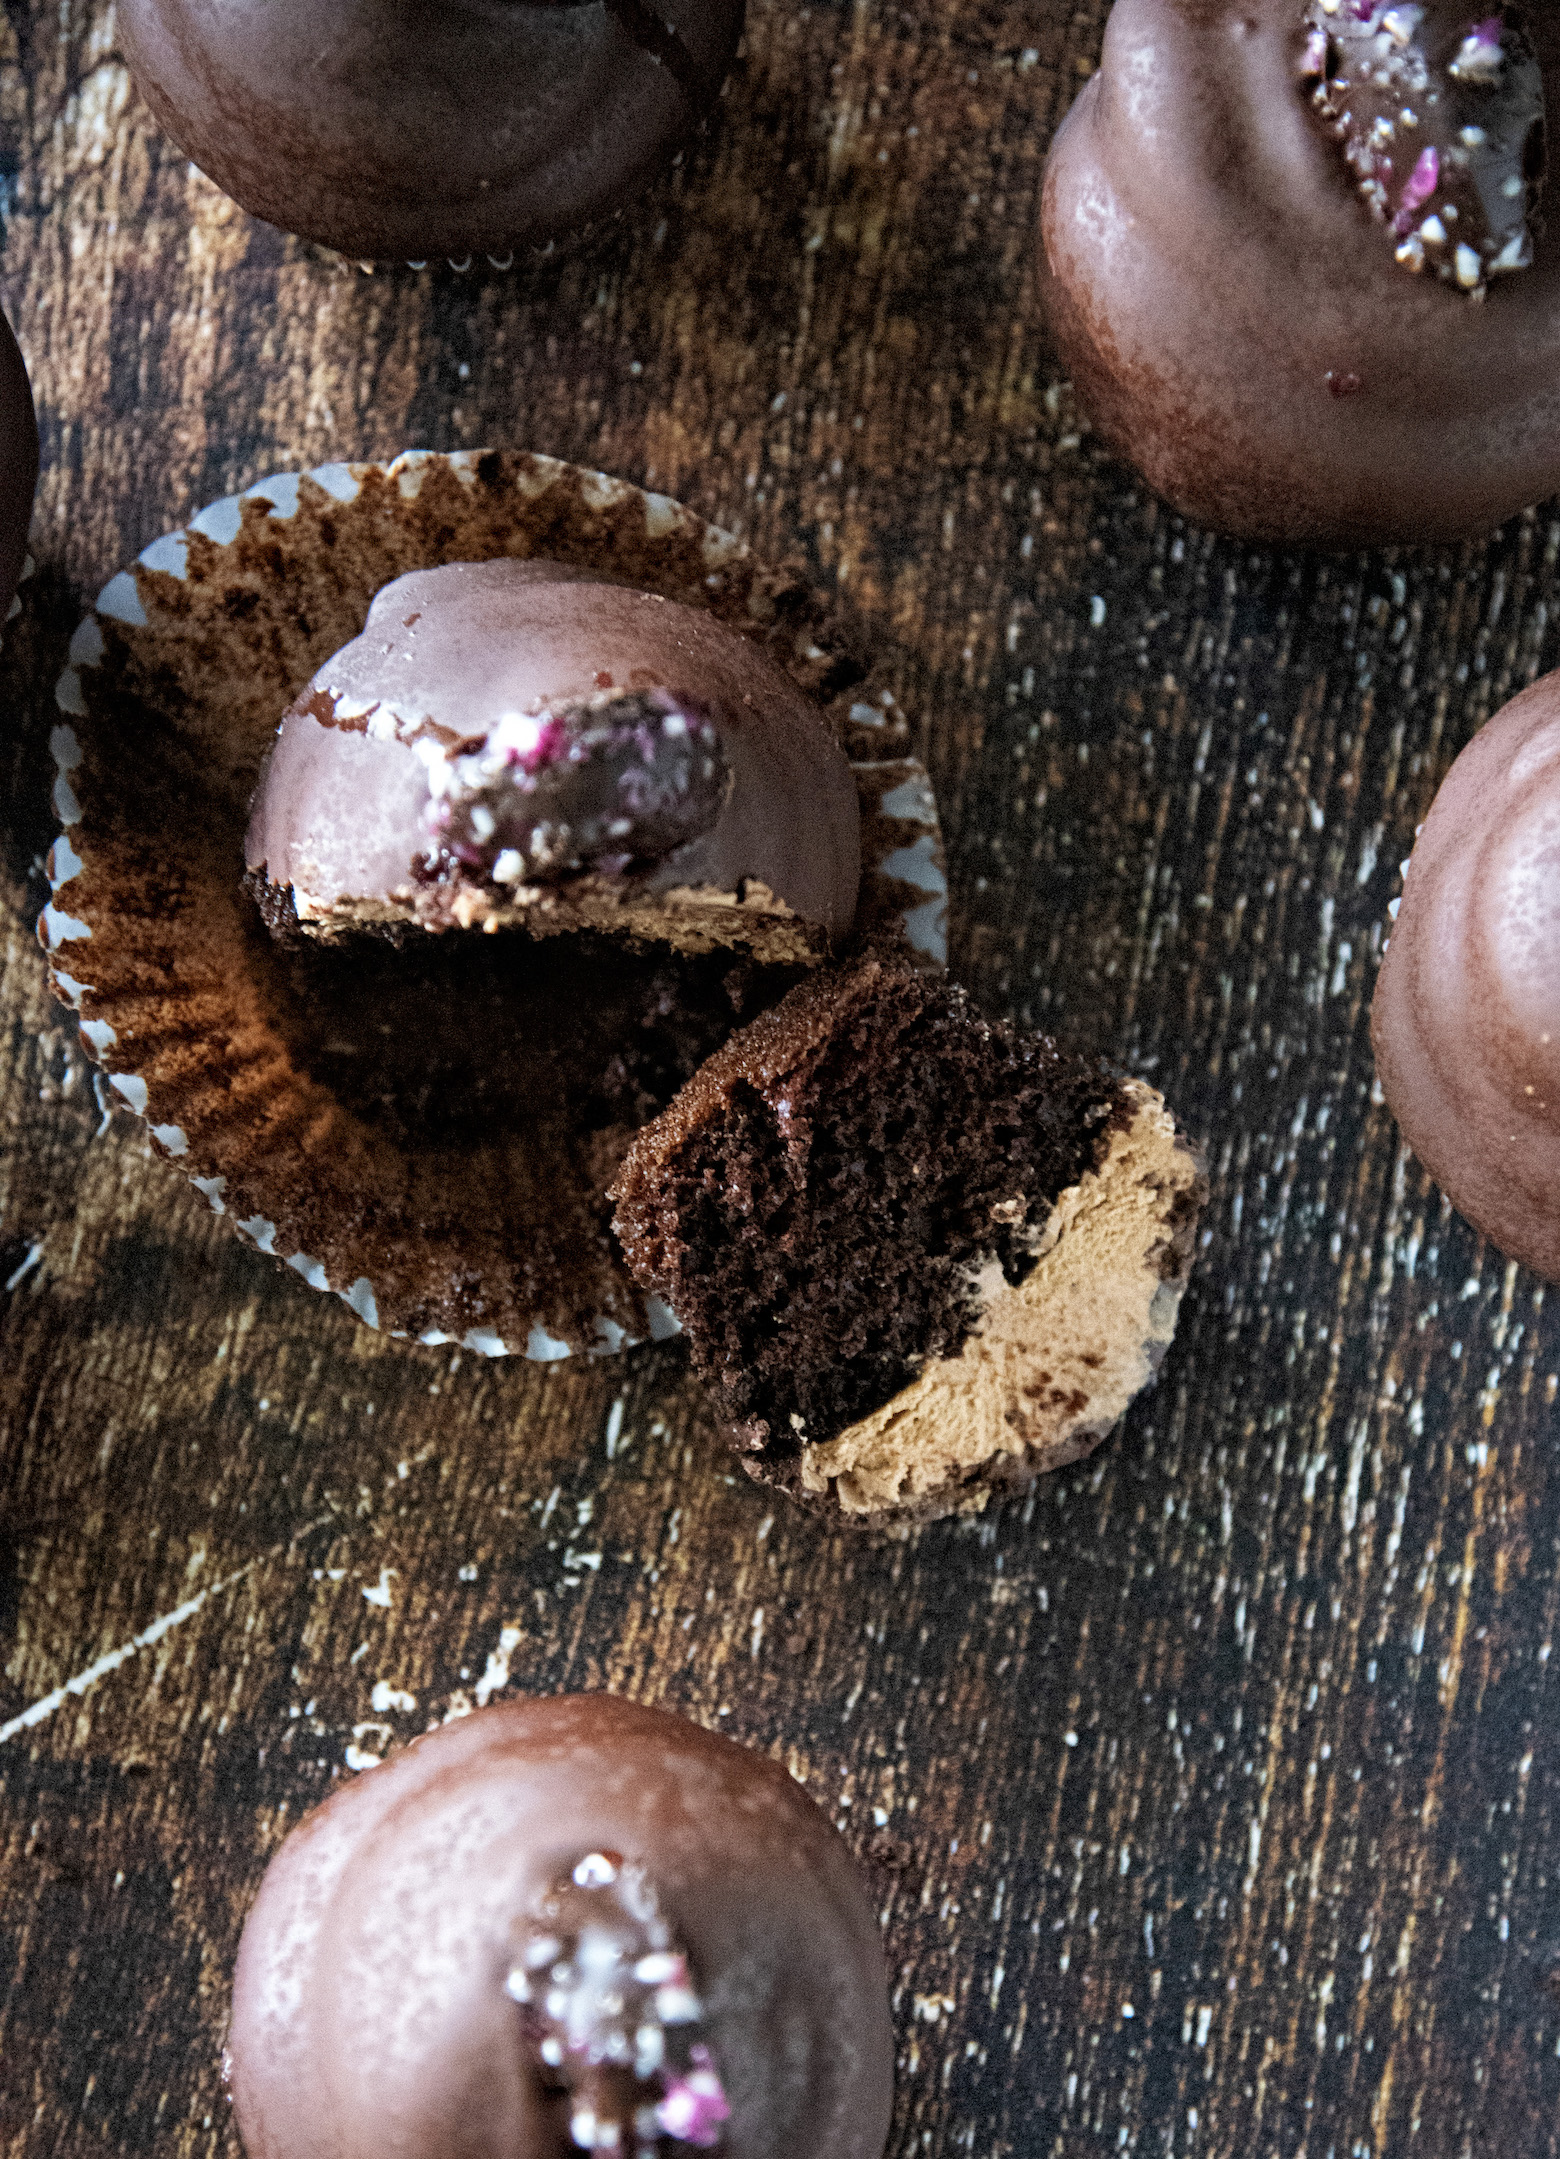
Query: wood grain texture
{"x": 1213, "y": 1793}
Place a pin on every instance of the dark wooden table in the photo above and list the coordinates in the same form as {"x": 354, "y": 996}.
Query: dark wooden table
{"x": 1211, "y": 1793}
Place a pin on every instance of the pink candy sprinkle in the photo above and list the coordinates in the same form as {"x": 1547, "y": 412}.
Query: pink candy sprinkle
{"x": 695, "y": 2105}
{"x": 549, "y": 745}
{"x": 1420, "y": 185}
{"x": 1486, "y": 32}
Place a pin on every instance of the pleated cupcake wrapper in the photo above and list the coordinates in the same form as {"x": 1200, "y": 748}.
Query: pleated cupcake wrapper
{"x": 175, "y": 685}
{"x": 29, "y": 569}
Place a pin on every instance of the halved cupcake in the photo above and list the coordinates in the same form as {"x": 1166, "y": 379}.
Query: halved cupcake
{"x": 918, "y": 1257}
{"x": 427, "y": 1127}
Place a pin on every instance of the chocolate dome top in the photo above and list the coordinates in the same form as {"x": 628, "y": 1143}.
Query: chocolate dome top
{"x": 396, "y": 129}
{"x": 515, "y": 742}
{"x": 1232, "y": 313}
{"x": 1466, "y": 1020}
{"x": 390, "y": 1994}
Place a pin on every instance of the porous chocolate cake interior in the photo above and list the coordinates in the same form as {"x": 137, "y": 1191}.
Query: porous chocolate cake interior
{"x": 818, "y": 1202}
{"x": 444, "y": 1040}
{"x": 511, "y": 1075}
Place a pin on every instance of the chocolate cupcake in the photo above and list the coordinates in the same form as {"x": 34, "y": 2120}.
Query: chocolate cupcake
{"x": 1302, "y": 261}
{"x": 574, "y": 1924}
{"x": 391, "y": 133}
{"x": 510, "y": 744}
{"x": 917, "y": 1257}
{"x": 1466, "y": 1018}
{"x": 18, "y": 467}
{"x": 429, "y": 1130}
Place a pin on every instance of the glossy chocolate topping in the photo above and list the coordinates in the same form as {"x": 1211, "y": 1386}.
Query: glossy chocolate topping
{"x": 18, "y": 464}
{"x": 1440, "y": 118}
{"x": 514, "y": 742}
{"x": 1466, "y": 1021}
{"x": 1231, "y": 310}
{"x": 554, "y": 1917}
{"x": 406, "y": 129}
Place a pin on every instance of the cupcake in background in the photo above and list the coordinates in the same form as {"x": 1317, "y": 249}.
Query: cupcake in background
{"x": 580, "y": 1924}
{"x": 1466, "y": 1017}
{"x": 390, "y": 133}
{"x": 1301, "y": 259}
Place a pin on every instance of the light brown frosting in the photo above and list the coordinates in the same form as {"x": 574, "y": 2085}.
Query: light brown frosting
{"x": 1052, "y": 1364}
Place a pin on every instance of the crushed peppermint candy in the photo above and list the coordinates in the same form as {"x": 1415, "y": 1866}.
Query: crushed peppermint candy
{"x": 606, "y": 785}
{"x": 1440, "y": 118}
{"x": 612, "y": 2016}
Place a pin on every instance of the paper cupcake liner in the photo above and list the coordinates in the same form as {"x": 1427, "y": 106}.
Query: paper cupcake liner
{"x": 174, "y": 689}
{"x": 28, "y": 570}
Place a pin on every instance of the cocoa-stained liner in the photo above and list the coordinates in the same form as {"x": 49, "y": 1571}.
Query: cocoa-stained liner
{"x": 492, "y": 1235}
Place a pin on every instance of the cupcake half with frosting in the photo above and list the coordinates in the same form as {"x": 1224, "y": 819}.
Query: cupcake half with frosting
{"x": 920, "y": 1257}
{"x": 425, "y": 828}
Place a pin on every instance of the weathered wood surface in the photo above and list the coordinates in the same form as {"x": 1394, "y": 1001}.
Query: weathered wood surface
{"x": 1213, "y": 1793}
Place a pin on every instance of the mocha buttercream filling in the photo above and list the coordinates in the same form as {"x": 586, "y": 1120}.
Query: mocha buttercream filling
{"x": 1050, "y": 1363}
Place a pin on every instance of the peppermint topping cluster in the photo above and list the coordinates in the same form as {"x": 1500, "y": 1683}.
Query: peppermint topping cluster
{"x": 603, "y": 786}
{"x": 610, "y": 2012}
{"x": 1441, "y": 122}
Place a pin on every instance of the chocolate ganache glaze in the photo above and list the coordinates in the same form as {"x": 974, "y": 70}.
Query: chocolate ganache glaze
{"x": 1232, "y": 211}
{"x": 564, "y": 1925}
{"x": 1466, "y": 1019}
{"x": 518, "y": 743}
{"x": 406, "y": 129}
